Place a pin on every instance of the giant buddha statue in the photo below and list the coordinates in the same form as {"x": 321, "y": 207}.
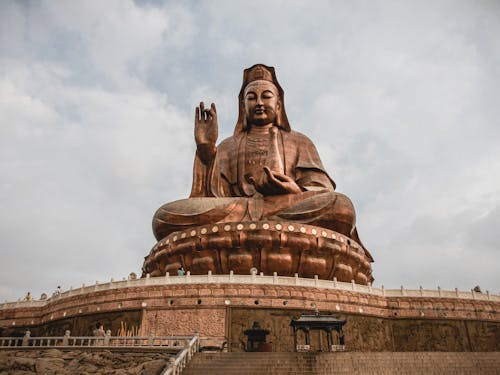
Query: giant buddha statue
{"x": 260, "y": 200}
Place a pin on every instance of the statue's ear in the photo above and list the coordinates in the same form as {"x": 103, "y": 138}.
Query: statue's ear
{"x": 278, "y": 114}
{"x": 245, "y": 123}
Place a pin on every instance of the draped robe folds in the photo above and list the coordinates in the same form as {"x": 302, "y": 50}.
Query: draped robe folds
{"x": 221, "y": 192}
{"x": 226, "y": 176}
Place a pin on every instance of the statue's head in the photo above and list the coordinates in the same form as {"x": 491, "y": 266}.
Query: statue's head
{"x": 261, "y": 99}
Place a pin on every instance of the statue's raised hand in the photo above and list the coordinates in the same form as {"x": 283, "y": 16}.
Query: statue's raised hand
{"x": 205, "y": 125}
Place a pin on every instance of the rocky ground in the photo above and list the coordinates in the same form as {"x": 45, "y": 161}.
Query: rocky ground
{"x": 80, "y": 362}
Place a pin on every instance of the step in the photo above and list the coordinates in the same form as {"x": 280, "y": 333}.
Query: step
{"x": 383, "y": 363}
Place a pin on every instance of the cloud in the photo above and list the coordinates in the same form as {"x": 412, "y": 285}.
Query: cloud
{"x": 97, "y": 102}
{"x": 79, "y": 156}
{"x": 70, "y": 178}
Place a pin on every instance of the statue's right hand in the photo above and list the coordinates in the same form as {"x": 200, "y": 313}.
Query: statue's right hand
{"x": 205, "y": 125}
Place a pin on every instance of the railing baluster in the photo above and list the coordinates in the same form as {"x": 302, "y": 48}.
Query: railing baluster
{"x": 187, "y": 345}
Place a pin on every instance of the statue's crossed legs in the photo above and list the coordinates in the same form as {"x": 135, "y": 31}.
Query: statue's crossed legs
{"x": 325, "y": 209}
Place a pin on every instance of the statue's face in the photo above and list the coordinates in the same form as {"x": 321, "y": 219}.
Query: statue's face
{"x": 261, "y": 102}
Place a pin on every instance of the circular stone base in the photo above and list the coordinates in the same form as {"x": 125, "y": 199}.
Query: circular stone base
{"x": 266, "y": 246}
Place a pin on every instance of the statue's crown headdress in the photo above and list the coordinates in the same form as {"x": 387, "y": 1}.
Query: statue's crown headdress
{"x": 258, "y": 72}
{"x": 255, "y": 73}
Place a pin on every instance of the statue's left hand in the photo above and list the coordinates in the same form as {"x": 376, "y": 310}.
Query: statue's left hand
{"x": 274, "y": 183}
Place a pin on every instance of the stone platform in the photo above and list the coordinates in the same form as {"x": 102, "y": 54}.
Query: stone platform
{"x": 222, "y": 307}
{"x": 266, "y": 246}
{"x": 344, "y": 363}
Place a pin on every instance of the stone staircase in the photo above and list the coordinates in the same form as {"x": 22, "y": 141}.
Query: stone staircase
{"x": 367, "y": 363}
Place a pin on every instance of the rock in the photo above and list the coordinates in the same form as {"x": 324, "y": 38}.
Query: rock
{"x": 53, "y": 353}
{"x": 136, "y": 370}
{"x": 153, "y": 367}
{"x": 81, "y": 362}
{"x": 49, "y": 366}
{"x": 85, "y": 356}
{"x": 69, "y": 355}
{"x": 22, "y": 354}
{"x": 21, "y": 363}
{"x": 107, "y": 354}
{"x": 100, "y": 361}
{"x": 89, "y": 368}
{"x": 74, "y": 364}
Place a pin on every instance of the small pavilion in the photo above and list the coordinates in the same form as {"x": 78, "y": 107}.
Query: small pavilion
{"x": 327, "y": 323}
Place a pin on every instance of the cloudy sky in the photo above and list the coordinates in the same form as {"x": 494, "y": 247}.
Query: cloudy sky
{"x": 97, "y": 101}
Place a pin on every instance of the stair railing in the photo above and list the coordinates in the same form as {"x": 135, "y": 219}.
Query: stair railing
{"x": 181, "y": 360}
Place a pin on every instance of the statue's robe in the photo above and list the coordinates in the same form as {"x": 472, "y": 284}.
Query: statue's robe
{"x": 221, "y": 191}
{"x": 225, "y": 177}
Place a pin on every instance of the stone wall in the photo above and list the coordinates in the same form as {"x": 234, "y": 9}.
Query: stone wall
{"x": 223, "y": 306}
{"x": 367, "y": 333}
{"x": 206, "y": 321}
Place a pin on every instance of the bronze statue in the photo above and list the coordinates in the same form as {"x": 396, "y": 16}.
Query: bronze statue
{"x": 264, "y": 172}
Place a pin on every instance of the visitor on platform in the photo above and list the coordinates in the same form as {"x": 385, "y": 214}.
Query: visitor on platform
{"x": 27, "y": 297}
{"x": 99, "y": 330}
{"x": 57, "y": 292}
{"x": 180, "y": 271}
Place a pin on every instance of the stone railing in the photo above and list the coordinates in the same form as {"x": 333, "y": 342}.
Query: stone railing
{"x": 257, "y": 279}
{"x": 186, "y": 346}
{"x": 177, "y": 343}
{"x": 181, "y": 360}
